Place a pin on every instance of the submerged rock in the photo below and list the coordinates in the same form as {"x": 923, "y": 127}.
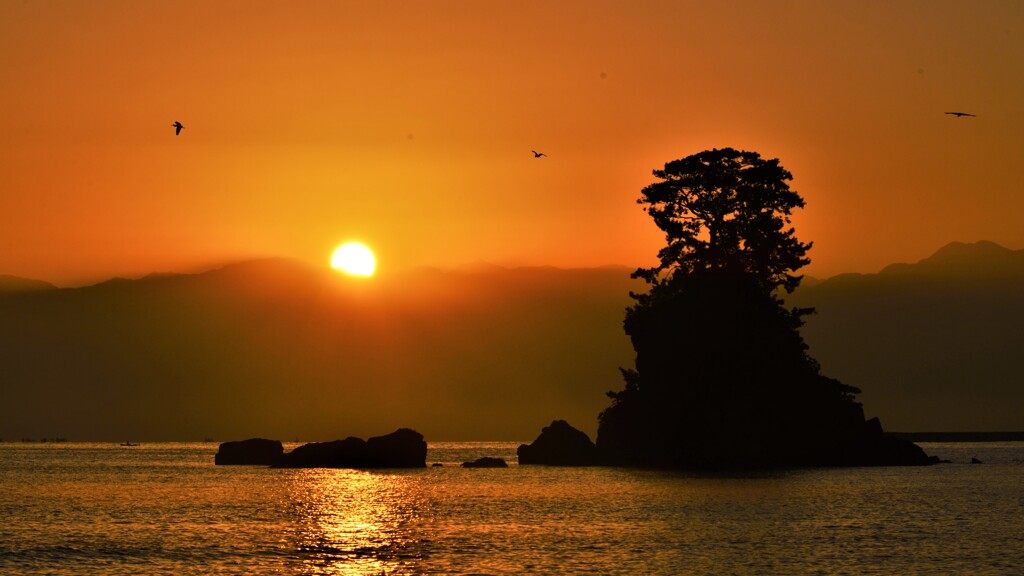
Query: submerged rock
{"x": 559, "y": 445}
{"x": 254, "y": 451}
{"x": 403, "y": 448}
{"x": 486, "y": 462}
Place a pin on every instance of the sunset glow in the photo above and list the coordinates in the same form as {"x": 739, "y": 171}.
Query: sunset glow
{"x": 415, "y": 121}
{"x": 656, "y": 280}
{"x": 355, "y": 259}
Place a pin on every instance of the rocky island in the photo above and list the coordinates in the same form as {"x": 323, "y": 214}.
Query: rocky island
{"x": 722, "y": 376}
{"x": 251, "y": 452}
{"x": 403, "y": 448}
{"x": 559, "y": 445}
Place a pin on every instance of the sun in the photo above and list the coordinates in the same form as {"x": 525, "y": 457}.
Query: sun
{"x": 355, "y": 259}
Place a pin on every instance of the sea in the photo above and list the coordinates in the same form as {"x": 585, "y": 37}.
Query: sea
{"x": 165, "y": 508}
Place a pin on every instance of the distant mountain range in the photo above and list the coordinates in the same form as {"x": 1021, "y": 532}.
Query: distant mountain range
{"x": 10, "y": 284}
{"x": 277, "y": 348}
{"x": 936, "y": 346}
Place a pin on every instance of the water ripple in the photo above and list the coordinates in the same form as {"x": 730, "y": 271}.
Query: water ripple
{"x": 168, "y": 510}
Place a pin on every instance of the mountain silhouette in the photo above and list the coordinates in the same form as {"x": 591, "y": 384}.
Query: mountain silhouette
{"x": 9, "y": 284}
{"x": 983, "y": 260}
{"x": 277, "y": 348}
{"x": 934, "y": 345}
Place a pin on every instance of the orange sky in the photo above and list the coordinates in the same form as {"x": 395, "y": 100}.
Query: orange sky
{"x": 409, "y": 125}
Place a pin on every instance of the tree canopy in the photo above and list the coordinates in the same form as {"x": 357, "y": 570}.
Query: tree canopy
{"x": 725, "y": 210}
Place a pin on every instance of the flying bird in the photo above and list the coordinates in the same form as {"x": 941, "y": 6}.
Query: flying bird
{"x": 537, "y": 154}
{"x": 959, "y": 114}
{"x": 177, "y": 128}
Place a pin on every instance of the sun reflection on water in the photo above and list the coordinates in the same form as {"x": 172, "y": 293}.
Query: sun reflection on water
{"x": 349, "y": 522}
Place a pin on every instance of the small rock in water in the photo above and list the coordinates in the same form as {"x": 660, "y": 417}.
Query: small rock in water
{"x": 559, "y": 445}
{"x": 486, "y": 462}
{"x": 254, "y": 451}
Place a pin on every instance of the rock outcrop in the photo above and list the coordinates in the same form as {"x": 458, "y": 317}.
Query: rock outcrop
{"x": 559, "y": 445}
{"x": 723, "y": 377}
{"x": 348, "y": 453}
{"x": 874, "y": 448}
{"x": 254, "y": 451}
{"x": 403, "y": 448}
{"x": 857, "y": 442}
{"x": 486, "y": 462}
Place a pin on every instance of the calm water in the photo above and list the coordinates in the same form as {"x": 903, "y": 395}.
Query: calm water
{"x": 166, "y": 509}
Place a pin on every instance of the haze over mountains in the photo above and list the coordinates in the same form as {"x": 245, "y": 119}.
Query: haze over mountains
{"x": 275, "y": 348}
{"x": 935, "y": 346}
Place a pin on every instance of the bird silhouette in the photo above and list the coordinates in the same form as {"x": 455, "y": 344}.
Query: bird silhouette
{"x": 537, "y": 154}
{"x": 177, "y": 128}
{"x": 959, "y": 114}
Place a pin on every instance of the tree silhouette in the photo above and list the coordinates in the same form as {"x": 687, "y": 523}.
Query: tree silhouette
{"x": 722, "y": 374}
{"x": 725, "y": 210}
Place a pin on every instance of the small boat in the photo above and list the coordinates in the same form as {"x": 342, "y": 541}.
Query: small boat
{"x": 128, "y": 444}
